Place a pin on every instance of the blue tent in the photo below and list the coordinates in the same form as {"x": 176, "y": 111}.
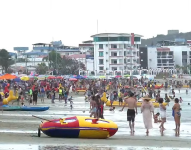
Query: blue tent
{"x": 17, "y": 80}
{"x": 79, "y": 77}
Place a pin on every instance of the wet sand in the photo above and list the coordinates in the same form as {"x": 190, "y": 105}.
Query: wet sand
{"x": 21, "y": 128}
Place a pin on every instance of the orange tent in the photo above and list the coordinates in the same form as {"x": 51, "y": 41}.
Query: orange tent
{"x": 8, "y": 76}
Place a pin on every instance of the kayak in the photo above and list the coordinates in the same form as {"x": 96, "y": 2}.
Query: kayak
{"x": 23, "y": 108}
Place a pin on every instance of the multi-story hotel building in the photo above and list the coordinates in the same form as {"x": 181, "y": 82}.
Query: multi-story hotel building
{"x": 116, "y": 52}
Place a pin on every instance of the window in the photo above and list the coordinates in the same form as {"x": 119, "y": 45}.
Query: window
{"x": 120, "y": 45}
{"x": 120, "y": 61}
{"x": 124, "y": 53}
{"x": 100, "y": 46}
{"x": 114, "y": 61}
{"x": 113, "y": 53}
{"x": 113, "y": 38}
{"x": 184, "y": 52}
{"x": 137, "y": 39}
{"x": 114, "y": 68}
{"x": 101, "y": 54}
{"x": 100, "y": 68}
{"x": 101, "y": 61}
{"x": 113, "y": 45}
{"x": 159, "y": 60}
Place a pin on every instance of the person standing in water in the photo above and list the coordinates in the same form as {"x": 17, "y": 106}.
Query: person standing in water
{"x": 132, "y": 110}
{"x": 162, "y": 113}
{"x": 176, "y": 108}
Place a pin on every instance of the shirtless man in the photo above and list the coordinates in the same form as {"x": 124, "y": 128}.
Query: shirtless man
{"x": 132, "y": 109}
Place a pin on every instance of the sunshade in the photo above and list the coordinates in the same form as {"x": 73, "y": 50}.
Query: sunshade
{"x": 127, "y": 75}
{"x": 51, "y": 77}
{"x": 118, "y": 76}
{"x": 59, "y": 77}
{"x": 102, "y": 77}
{"x": 17, "y": 80}
{"x": 8, "y": 77}
{"x": 25, "y": 78}
{"x": 73, "y": 79}
{"x": 79, "y": 77}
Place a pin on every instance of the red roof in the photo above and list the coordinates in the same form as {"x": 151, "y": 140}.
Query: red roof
{"x": 163, "y": 49}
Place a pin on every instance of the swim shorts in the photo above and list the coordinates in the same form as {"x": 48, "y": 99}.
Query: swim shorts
{"x": 131, "y": 115}
{"x": 120, "y": 100}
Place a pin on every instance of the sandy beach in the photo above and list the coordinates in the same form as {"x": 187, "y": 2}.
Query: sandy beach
{"x": 21, "y": 128}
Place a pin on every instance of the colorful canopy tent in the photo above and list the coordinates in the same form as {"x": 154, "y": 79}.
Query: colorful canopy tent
{"x": 102, "y": 77}
{"x": 127, "y": 75}
{"x": 25, "y": 78}
{"x": 59, "y": 77}
{"x": 118, "y": 76}
{"x": 79, "y": 77}
{"x": 17, "y": 80}
{"x": 8, "y": 77}
{"x": 73, "y": 79}
{"x": 51, "y": 77}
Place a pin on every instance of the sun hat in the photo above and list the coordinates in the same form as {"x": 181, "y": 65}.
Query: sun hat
{"x": 146, "y": 98}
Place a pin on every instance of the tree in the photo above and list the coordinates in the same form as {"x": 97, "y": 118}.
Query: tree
{"x": 5, "y": 60}
{"x": 53, "y": 59}
{"x": 41, "y": 68}
{"x": 70, "y": 66}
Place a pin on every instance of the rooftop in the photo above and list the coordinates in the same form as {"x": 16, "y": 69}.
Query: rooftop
{"x": 76, "y": 56}
{"x": 42, "y": 44}
{"x": 116, "y": 34}
{"x": 35, "y": 53}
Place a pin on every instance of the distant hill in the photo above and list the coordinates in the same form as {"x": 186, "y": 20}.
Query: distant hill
{"x": 171, "y": 37}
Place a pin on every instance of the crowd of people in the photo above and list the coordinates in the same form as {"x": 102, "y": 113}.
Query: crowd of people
{"x": 126, "y": 91}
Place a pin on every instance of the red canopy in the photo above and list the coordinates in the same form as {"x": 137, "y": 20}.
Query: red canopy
{"x": 51, "y": 77}
{"x": 59, "y": 77}
{"x": 8, "y": 77}
{"x": 73, "y": 79}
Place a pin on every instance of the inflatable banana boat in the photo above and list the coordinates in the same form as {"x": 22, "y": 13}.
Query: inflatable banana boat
{"x": 79, "y": 127}
{"x": 139, "y": 103}
{"x": 11, "y": 97}
{"x": 116, "y": 103}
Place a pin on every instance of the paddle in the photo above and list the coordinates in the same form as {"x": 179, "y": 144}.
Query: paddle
{"x": 42, "y": 118}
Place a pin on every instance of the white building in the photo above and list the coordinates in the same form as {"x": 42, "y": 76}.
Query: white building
{"x": 116, "y": 52}
{"x": 86, "y": 47}
{"x": 167, "y": 57}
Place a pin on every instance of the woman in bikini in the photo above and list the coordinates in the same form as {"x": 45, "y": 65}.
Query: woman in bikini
{"x": 176, "y": 108}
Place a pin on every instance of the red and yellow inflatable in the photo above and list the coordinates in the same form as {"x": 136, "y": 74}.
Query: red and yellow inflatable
{"x": 79, "y": 127}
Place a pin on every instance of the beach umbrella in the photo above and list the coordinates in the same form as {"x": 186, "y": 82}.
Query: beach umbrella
{"x": 25, "y": 78}
{"x": 21, "y": 75}
{"x": 127, "y": 75}
{"x": 118, "y": 76}
{"x": 79, "y": 77}
{"x": 102, "y": 77}
{"x": 59, "y": 77}
{"x": 73, "y": 79}
{"x": 51, "y": 77}
{"x": 17, "y": 80}
{"x": 8, "y": 77}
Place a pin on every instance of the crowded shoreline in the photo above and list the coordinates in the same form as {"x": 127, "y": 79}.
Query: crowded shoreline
{"x": 81, "y": 106}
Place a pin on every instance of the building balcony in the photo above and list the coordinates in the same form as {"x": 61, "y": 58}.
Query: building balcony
{"x": 116, "y": 64}
{"x": 165, "y": 56}
{"x": 115, "y": 56}
{"x": 115, "y": 48}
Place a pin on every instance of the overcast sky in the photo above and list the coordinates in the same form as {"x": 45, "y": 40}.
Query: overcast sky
{"x": 24, "y": 22}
